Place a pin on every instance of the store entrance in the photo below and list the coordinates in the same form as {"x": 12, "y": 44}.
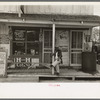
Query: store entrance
{"x": 76, "y": 48}
{"x": 47, "y": 46}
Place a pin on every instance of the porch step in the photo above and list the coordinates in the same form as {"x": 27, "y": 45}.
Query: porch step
{"x": 34, "y": 79}
{"x": 55, "y": 77}
{"x": 20, "y": 78}
{"x": 90, "y": 78}
{"x": 70, "y": 78}
{"x": 36, "y": 75}
{"x": 40, "y": 77}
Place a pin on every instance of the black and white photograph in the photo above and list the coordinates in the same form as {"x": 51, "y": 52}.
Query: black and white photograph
{"x": 49, "y": 43}
{"x": 50, "y": 50}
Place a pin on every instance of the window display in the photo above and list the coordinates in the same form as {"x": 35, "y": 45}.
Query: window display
{"x": 33, "y": 35}
{"x": 25, "y": 42}
{"x": 19, "y": 48}
{"x": 19, "y": 35}
{"x": 33, "y": 48}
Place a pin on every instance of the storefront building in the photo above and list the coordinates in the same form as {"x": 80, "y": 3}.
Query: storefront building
{"x": 31, "y": 33}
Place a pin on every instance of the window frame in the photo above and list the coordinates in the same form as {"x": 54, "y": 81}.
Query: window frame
{"x": 25, "y": 41}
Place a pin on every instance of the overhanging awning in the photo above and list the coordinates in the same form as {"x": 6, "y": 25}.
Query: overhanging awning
{"x": 57, "y": 17}
{"x": 75, "y": 20}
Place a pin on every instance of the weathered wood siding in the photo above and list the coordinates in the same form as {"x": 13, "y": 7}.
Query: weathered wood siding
{"x": 4, "y": 38}
{"x": 9, "y": 8}
{"x": 49, "y": 9}
{"x": 59, "y": 9}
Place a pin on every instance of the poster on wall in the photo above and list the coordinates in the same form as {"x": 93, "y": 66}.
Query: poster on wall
{"x": 62, "y": 40}
{"x": 4, "y": 39}
{"x": 3, "y": 63}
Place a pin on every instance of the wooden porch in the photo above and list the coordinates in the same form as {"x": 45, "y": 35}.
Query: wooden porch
{"x": 40, "y": 74}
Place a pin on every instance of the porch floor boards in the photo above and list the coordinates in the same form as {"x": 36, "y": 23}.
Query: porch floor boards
{"x": 39, "y": 72}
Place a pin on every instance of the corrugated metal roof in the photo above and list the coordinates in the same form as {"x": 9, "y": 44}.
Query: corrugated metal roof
{"x": 52, "y": 17}
{"x": 56, "y": 17}
{"x": 63, "y": 17}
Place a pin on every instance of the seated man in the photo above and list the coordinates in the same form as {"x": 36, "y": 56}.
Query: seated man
{"x": 57, "y": 59}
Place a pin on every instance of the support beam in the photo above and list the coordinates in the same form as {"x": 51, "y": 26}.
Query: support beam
{"x": 53, "y": 44}
{"x": 19, "y": 11}
{"x": 48, "y": 22}
{"x": 99, "y": 33}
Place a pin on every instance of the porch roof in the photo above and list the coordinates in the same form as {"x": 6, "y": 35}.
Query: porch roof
{"x": 52, "y": 17}
{"x": 57, "y": 17}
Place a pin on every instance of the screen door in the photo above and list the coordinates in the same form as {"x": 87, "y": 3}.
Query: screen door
{"x": 76, "y": 48}
{"x": 47, "y": 46}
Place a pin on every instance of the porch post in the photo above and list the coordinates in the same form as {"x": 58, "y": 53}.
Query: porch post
{"x": 53, "y": 44}
{"x": 99, "y": 32}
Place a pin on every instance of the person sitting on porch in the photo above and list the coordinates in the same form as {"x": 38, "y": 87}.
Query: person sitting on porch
{"x": 57, "y": 60}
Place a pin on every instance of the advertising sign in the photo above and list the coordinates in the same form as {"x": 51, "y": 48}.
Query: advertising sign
{"x": 3, "y": 63}
{"x": 4, "y": 39}
{"x": 19, "y": 35}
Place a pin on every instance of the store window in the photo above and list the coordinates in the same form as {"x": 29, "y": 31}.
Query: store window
{"x": 25, "y": 41}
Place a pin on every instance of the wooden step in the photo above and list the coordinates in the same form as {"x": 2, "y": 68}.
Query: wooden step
{"x": 70, "y": 77}
{"x": 33, "y": 79}
{"x": 21, "y": 78}
{"x": 38, "y": 78}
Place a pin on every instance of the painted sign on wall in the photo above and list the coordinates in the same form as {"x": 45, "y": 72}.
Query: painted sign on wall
{"x": 4, "y": 39}
{"x": 3, "y": 63}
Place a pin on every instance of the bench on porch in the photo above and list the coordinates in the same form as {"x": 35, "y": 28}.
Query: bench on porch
{"x": 13, "y": 63}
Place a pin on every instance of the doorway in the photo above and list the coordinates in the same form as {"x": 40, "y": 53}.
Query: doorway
{"x": 76, "y": 47}
{"x": 47, "y": 46}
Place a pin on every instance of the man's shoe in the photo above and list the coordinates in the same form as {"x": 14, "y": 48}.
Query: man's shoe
{"x": 51, "y": 66}
{"x": 57, "y": 73}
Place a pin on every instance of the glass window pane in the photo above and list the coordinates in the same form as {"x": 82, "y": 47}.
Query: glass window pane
{"x": 79, "y": 58}
{"x": 25, "y": 41}
{"x": 50, "y": 39}
{"x": 79, "y": 40}
{"x": 19, "y": 48}
{"x": 73, "y": 58}
{"x": 74, "y": 35}
{"x": 33, "y": 48}
{"x": 33, "y": 35}
{"x": 47, "y": 39}
{"x": 76, "y": 39}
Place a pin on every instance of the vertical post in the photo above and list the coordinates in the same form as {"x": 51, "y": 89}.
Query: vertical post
{"x": 53, "y": 44}
{"x": 19, "y": 11}
{"x": 99, "y": 33}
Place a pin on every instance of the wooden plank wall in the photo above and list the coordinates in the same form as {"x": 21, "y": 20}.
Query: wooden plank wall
{"x": 49, "y": 9}
{"x": 59, "y": 9}
{"x": 9, "y": 8}
{"x": 4, "y": 43}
